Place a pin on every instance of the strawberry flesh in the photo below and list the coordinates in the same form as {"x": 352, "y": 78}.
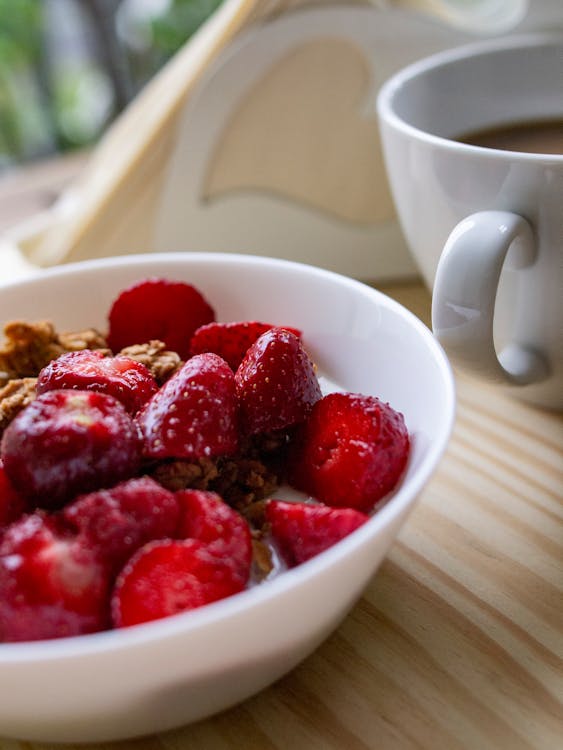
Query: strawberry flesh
{"x": 206, "y": 517}
{"x": 51, "y": 585}
{"x": 12, "y": 503}
{"x": 276, "y": 383}
{"x": 303, "y": 530}
{"x": 167, "y": 577}
{"x": 350, "y": 452}
{"x": 194, "y": 414}
{"x": 230, "y": 340}
{"x": 115, "y": 522}
{"x": 158, "y": 309}
{"x": 68, "y": 442}
{"x": 90, "y": 370}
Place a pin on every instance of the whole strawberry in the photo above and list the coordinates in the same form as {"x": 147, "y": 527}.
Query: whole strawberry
{"x": 158, "y": 309}
{"x": 276, "y": 383}
{"x": 194, "y": 414}
{"x": 116, "y": 521}
{"x": 51, "y": 585}
{"x": 350, "y": 452}
{"x": 69, "y": 442}
{"x": 90, "y": 370}
{"x": 303, "y": 530}
{"x": 167, "y": 577}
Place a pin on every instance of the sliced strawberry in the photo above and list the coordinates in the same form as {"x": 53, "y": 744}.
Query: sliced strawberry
{"x": 51, "y": 585}
{"x": 90, "y": 370}
{"x": 194, "y": 414}
{"x": 350, "y": 452}
{"x": 115, "y": 522}
{"x": 205, "y": 516}
{"x": 12, "y": 503}
{"x": 69, "y": 442}
{"x": 230, "y": 340}
{"x": 167, "y": 577}
{"x": 303, "y": 530}
{"x": 169, "y": 311}
{"x": 276, "y": 383}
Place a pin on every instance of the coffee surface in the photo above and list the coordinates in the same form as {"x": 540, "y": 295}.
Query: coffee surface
{"x": 543, "y": 137}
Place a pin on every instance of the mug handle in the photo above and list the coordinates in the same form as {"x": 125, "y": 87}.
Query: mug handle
{"x": 464, "y": 293}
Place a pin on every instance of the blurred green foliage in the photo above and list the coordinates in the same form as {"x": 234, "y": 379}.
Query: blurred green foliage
{"x": 20, "y": 52}
{"x": 67, "y": 67}
{"x": 171, "y": 29}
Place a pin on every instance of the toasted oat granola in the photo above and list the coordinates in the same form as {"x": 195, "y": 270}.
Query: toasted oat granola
{"x": 262, "y": 563}
{"x": 28, "y": 347}
{"x": 240, "y": 481}
{"x": 183, "y": 474}
{"x": 89, "y": 338}
{"x": 160, "y": 362}
{"x": 15, "y": 396}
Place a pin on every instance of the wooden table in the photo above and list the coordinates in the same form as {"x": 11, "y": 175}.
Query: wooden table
{"x": 457, "y": 643}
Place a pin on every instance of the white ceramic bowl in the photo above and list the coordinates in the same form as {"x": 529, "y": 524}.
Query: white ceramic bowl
{"x": 159, "y": 675}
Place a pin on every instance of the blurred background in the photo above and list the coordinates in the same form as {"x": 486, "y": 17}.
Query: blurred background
{"x": 68, "y": 67}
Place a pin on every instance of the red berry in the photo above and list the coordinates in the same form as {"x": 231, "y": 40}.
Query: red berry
{"x": 12, "y": 503}
{"x": 276, "y": 383}
{"x": 69, "y": 442}
{"x": 194, "y": 414}
{"x": 206, "y": 517}
{"x": 169, "y": 311}
{"x": 167, "y": 577}
{"x": 350, "y": 452}
{"x": 90, "y": 370}
{"x": 51, "y": 585}
{"x": 303, "y": 530}
{"x": 115, "y": 522}
{"x": 230, "y": 340}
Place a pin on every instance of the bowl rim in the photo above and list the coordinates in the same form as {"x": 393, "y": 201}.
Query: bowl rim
{"x": 401, "y": 500}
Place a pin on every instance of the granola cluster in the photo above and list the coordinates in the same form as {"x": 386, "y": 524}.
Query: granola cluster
{"x": 15, "y": 396}
{"x": 159, "y": 361}
{"x": 240, "y": 480}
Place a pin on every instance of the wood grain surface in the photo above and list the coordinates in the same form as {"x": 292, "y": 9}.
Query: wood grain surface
{"x": 457, "y": 642}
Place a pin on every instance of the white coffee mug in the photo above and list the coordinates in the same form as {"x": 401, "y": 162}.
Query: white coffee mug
{"x": 466, "y": 208}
